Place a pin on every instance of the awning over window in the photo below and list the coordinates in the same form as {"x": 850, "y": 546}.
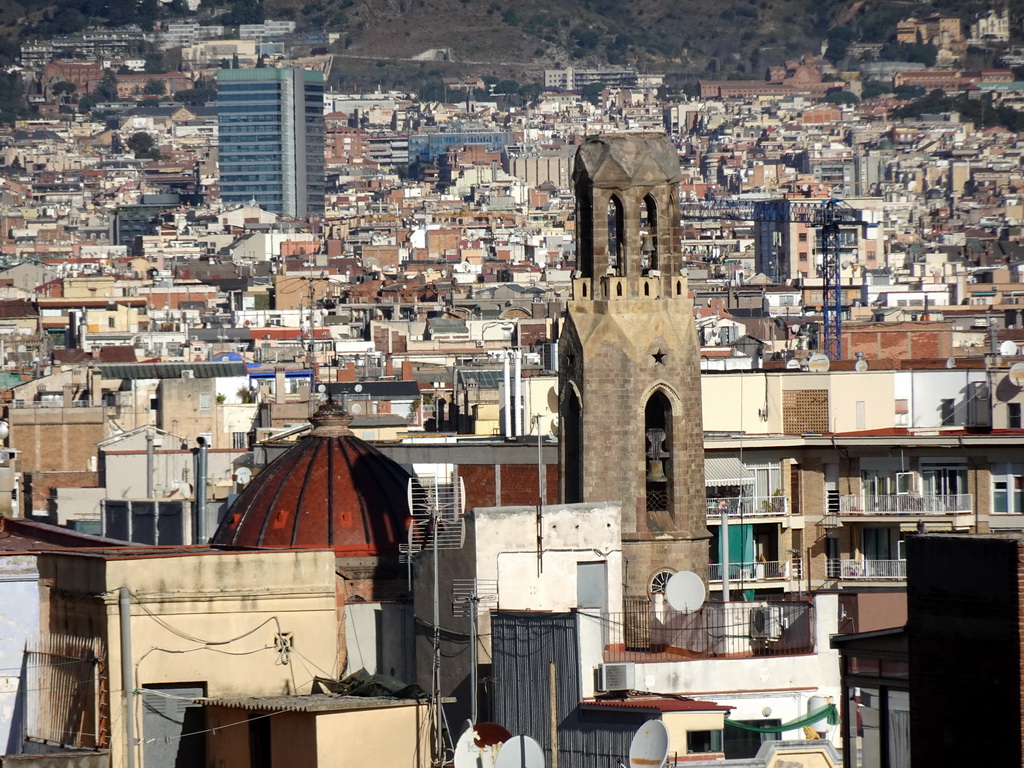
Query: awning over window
{"x": 726, "y": 470}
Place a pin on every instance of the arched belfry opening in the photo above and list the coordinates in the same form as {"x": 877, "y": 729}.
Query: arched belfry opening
{"x": 649, "y": 235}
{"x": 657, "y": 437}
{"x": 572, "y": 428}
{"x": 616, "y": 237}
{"x": 585, "y": 230}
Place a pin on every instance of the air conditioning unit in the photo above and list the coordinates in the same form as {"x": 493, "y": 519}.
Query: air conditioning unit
{"x": 188, "y": 373}
{"x": 618, "y": 676}
{"x": 767, "y": 622}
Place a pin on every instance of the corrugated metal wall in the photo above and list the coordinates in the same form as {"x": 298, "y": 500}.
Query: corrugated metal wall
{"x": 524, "y": 645}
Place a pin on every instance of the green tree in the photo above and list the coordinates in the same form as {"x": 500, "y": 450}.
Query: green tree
{"x": 841, "y": 97}
{"x": 154, "y": 87}
{"x": 155, "y": 64}
{"x": 106, "y": 89}
{"x": 592, "y": 92}
{"x": 12, "y": 97}
{"x": 197, "y": 96}
{"x": 506, "y": 86}
{"x": 63, "y": 89}
{"x": 143, "y": 145}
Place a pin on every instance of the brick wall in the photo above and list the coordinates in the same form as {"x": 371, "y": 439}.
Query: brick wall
{"x": 489, "y": 485}
{"x": 37, "y": 486}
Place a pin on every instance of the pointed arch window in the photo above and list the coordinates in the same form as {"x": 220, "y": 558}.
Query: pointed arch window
{"x": 616, "y": 236}
{"x": 572, "y": 423}
{"x": 658, "y": 458}
{"x": 649, "y": 234}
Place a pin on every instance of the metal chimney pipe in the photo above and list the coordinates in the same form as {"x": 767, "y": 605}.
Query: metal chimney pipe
{"x": 200, "y": 490}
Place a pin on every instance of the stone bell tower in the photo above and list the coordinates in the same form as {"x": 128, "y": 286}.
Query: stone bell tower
{"x": 629, "y": 364}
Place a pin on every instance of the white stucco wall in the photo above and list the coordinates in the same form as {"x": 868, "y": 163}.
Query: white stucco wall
{"x": 506, "y": 551}
{"x": 19, "y": 625}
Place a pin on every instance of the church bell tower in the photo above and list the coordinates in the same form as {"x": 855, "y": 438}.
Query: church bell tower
{"x": 629, "y": 363}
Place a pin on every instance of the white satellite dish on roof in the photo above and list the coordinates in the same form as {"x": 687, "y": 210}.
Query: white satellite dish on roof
{"x": 243, "y": 475}
{"x": 861, "y": 365}
{"x": 793, "y": 365}
{"x": 818, "y": 363}
{"x": 520, "y": 752}
{"x": 1008, "y": 349}
{"x": 1017, "y": 374}
{"x": 479, "y": 745}
{"x": 951, "y": 362}
{"x": 685, "y": 591}
{"x": 649, "y": 748}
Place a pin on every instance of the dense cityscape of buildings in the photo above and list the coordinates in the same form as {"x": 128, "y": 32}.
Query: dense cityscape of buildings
{"x": 310, "y": 394}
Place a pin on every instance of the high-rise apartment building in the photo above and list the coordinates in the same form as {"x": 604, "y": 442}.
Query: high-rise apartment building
{"x": 271, "y": 124}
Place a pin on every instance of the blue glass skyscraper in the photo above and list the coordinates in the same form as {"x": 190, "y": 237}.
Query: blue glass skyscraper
{"x": 271, "y": 145}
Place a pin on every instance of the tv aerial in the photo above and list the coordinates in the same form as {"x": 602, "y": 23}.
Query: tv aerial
{"x": 468, "y": 597}
{"x": 437, "y": 508}
{"x": 649, "y": 748}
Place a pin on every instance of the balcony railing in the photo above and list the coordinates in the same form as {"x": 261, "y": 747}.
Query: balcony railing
{"x": 748, "y": 506}
{"x": 907, "y": 504}
{"x": 867, "y": 569}
{"x": 653, "y": 632}
{"x": 771, "y": 570}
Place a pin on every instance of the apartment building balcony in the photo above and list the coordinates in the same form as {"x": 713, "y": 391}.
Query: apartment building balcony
{"x": 770, "y": 572}
{"x": 645, "y": 632}
{"x": 907, "y": 504}
{"x": 748, "y": 506}
{"x": 868, "y": 570}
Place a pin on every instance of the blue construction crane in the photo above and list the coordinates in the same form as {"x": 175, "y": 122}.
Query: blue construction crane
{"x": 827, "y": 215}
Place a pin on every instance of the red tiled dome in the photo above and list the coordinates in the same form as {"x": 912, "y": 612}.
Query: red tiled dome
{"x": 330, "y": 490}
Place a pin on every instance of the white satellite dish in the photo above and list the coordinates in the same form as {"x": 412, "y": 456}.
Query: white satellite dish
{"x": 649, "y": 748}
{"x": 321, "y": 388}
{"x": 5, "y": 430}
{"x": 861, "y": 365}
{"x": 792, "y": 365}
{"x": 818, "y": 363}
{"x": 185, "y": 488}
{"x": 1017, "y": 374}
{"x": 520, "y": 752}
{"x": 1008, "y": 349}
{"x": 951, "y": 362}
{"x": 685, "y": 591}
{"x": 243, "y": 475}
{"x": 355, "y": 408}
{"x": 358, "y": 388}
{"x": 479, "y": 745}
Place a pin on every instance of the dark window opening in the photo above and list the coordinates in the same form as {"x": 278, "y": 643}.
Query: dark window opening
{"x": 658, "y": 481}
{"x": 616, "y": 237}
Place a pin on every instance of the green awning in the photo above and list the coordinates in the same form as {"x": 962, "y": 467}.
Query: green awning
{"x": 829, "y": 713}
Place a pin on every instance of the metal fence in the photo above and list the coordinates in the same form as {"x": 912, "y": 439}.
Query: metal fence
{"x": 867, "y": 569}
{"x": 66, "y": 691}
{"x": 748, "y": 506}
{"x": 764, "y": 570}
{"x": 645, "y": 633}
{"x": 907, "y": 504}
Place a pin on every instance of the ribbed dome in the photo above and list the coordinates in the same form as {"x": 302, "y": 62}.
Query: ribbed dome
{"x": 330, "y": 490}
